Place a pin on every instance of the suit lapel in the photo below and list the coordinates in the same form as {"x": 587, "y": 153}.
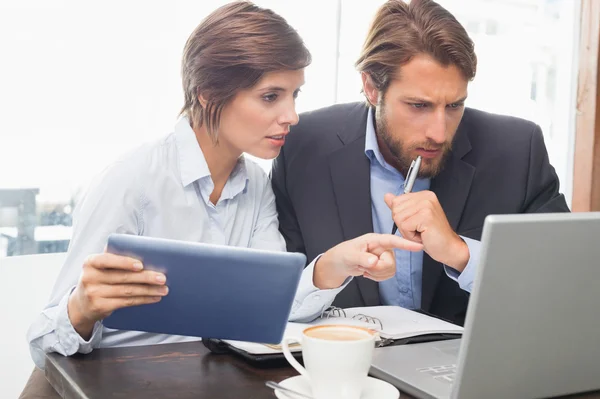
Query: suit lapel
{"x": 351, "y": 182}
{"x": 452, "y": 188}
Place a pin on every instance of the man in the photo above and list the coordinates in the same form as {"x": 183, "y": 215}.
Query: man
{"x": 342, "y": 170}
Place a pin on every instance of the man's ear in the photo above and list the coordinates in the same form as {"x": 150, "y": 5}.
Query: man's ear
{"x": 369, "y": 88}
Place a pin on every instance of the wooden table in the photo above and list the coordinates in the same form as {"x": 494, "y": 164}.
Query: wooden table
{"x": 178, "y": 371}
{"x": 185, "y": 370}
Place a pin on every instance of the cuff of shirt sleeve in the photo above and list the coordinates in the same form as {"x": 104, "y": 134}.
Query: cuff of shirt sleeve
{"x": 310, "y": 301}
{"x": 466, "y": 278}
{"x": 69, "y": 339}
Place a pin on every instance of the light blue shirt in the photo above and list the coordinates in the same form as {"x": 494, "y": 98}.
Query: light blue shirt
{"x": 404, "y": 289}
{"x": 162, "y": 189}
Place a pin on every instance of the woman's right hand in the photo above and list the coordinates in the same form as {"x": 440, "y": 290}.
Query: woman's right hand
{"x": 109, "y": 282}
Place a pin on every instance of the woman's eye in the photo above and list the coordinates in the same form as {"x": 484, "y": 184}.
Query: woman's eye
{"x": 270, "y": 97}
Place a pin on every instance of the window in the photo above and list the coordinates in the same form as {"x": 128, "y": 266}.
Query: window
{"x": 84, "y": 82}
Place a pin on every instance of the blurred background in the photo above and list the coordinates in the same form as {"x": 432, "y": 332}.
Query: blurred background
{"x": 82, "y": 82}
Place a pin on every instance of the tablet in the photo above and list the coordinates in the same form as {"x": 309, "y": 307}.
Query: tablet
{"x": 215, "y": 291}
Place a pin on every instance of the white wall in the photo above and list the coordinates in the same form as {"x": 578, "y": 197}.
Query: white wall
{"x": 83, "y": 82}
{"x": 26, "y": 285}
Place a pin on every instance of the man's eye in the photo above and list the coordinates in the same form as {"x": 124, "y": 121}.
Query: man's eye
{"x": 418, "y": 105}
{"x": 296, "y": 93}
{"x": 270, "y": 97}
{"x": 455, "y": 105}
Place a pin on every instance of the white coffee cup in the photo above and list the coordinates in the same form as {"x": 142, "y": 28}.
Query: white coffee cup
{"x": 337, "y": 359}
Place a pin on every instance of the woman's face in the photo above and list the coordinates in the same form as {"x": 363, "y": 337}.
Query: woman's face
{"x": 258, "y": 119}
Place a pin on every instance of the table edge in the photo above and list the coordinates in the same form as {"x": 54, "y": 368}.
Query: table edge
{"x": 60, "y": 381}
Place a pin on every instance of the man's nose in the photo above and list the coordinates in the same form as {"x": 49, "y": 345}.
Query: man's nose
{"x": 436, "y": 131}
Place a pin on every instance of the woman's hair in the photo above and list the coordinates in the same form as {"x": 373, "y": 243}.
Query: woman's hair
{"x": 230, "y": 51}
{"x": 401, "y": 31}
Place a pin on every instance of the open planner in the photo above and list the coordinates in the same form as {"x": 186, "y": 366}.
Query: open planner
{"x": 393, "y": 324}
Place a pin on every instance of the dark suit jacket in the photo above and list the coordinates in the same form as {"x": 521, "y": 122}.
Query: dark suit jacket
{"x": 321, "y": 181}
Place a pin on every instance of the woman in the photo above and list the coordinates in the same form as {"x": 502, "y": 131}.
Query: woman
{"x": 242, "y": 69}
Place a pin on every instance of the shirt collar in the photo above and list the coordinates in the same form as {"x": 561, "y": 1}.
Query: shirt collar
{"x": 238, "y": 180}
{"x": 192, "y": 164}
{"x": 371, "y": 146}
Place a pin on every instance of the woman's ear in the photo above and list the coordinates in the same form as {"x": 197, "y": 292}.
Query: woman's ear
{"x": 369, "y": 88}
{"x": 201, "y": 100}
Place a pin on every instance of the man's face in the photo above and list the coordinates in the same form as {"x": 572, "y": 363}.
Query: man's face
{"x": 418, "y": 114}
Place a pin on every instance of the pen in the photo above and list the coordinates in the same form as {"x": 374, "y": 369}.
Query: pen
{"x": 411, "y": 176}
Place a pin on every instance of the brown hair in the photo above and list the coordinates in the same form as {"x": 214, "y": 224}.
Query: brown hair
{"x": 230, "y": 51}
{"x": 401, "y": 31}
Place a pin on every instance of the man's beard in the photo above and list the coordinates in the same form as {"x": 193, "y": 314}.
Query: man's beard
{"x": 401, "y": 152}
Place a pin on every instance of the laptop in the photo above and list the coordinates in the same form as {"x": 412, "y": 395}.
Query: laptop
{"x": 533, "y": 325}
{"x": 215, "y": 291}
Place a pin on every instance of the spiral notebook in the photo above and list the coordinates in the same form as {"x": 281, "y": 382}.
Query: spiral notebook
{"x": 393, "y": 323}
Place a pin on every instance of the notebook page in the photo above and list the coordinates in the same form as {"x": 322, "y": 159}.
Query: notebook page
{"x": 397, "y": 323}
{"x": 402, "y": 323}
{"x": 291, "y": 330}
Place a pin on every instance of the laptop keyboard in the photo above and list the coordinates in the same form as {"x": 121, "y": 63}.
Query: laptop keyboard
{"x": 440, "y": 373}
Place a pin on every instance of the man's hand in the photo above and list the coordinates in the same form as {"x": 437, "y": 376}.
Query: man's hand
{"x": 369, "y": 255}
{"x": 109, "y": 282}
{"x": 420, "y": 218}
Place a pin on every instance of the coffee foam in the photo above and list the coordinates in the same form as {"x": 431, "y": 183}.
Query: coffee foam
{"x": 338, "y": 333}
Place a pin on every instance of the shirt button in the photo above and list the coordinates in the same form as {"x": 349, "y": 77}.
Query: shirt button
{"x": 404, "y": 290}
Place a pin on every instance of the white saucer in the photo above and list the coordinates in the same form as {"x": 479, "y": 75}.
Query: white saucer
{"x": 374, "y": 388}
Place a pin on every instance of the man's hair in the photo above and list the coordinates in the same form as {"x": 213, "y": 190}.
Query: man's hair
{"x": 230, "y": 51}
{"x": 401, "y": 31}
